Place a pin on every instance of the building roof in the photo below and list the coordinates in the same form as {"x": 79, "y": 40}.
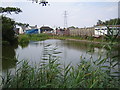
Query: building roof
{"x": 108, "y": 25}
{"x": 114, "y": 25}
{"x": 46, "y": 28}
{"x": 33, "y": 27}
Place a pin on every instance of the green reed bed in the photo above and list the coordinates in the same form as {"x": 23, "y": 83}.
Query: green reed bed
{"x": 39, "y": 37}
{"x": 34, "y": 37}
{"x": 50, "y": 73}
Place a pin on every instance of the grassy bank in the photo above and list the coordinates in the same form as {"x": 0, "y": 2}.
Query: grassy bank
{"x": 88, "y": 38}
{"x": 39, "y": 37}
{"x": 95, "y": 42}
{"x": 34, "y": 37}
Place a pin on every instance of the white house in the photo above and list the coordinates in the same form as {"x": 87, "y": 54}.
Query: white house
{"x": 100, "y": 30}
{"x": 103, "y": 30}
{"x": 21, "y": 30}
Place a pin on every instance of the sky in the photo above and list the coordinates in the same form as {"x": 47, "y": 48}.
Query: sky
{"x": 80, "y": 13}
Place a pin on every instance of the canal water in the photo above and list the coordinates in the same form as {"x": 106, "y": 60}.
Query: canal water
{"x": 71, "y": 52}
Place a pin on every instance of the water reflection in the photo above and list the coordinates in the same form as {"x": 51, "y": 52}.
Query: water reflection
{"x": 71, "y": 52}
{"x": 36, "y": 43}
{"x": 114, "y": 60}
{"x": 23, "y": 45}
{"x": 81, "y": 46}
{"x": 9, "y": 57}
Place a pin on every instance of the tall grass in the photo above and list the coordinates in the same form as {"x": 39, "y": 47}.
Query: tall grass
{"x": 34, "y": 37}
{"x": 51, "y": 74}
{"x": 23, "y": 39}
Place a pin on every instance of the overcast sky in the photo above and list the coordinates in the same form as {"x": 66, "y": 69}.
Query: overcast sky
{"x": 80, "y": 13}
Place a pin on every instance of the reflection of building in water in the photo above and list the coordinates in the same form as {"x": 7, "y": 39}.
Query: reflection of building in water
{"x": 99, "y": 50}
{"x": 36, "y": 43}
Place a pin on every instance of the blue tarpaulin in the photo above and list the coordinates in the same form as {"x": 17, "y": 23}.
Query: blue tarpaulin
{"x": 32, "y": 31}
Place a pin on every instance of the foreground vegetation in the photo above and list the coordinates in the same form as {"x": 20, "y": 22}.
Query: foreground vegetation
{"x": 51, "y": 74}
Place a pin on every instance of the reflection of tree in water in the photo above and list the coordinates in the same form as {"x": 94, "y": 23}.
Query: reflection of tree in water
{"x": 36, "y": 43}
{"x": 112, "y": 59}
{"x": 82, "y": 46}
{"x": 8, "y": 57}
{"x": 23, "y": 45}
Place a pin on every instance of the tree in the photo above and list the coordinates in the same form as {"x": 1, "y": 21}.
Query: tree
{"x": 99, "y": 22}
{"x": 10, "y": 10}
{"x": 8, "y": 24}
{"x": 72, "y": 27}
{"x": 21, "y": 24}
{"x": 115, "y": 21}
{"x": 43, "y": 2}
{"x": 8, "y": 33}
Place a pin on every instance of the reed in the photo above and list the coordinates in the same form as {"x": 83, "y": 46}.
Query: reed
{"x": 50, "y": 73}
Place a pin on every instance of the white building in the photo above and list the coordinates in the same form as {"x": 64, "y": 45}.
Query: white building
{"x": 103, "y": 30}
{"x": 100, "y": 30}
{"x": 21, "y": 30}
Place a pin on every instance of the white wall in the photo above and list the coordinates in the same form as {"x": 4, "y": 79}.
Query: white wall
{"x": 100, "y": 30}
{"x": 21, "y": 31}
{"x": 39, "y": 30}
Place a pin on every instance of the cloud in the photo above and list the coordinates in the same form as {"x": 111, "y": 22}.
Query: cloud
{"x": 79, "y": 14}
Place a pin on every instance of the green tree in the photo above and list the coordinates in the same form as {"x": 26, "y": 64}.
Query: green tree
{"x": 8, "y": 24}
{"x": 10, "y": 10}
{"x": 100, "y": 22}
{"x": 115, "y": 21}
{"x": 8, "y": 33}
{"x": 21, "y": 24}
